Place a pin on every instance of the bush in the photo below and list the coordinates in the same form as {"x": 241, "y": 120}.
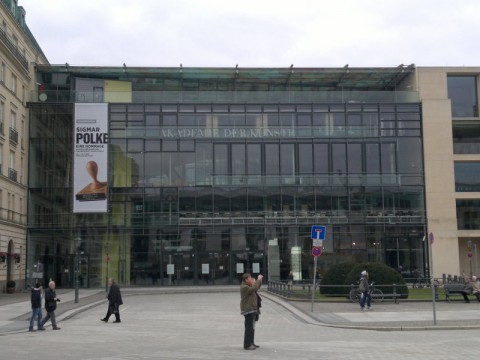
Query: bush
{"x": 11, "y": 284}
{"x": 381, "y": 274}
{"x": 336, "y": 275}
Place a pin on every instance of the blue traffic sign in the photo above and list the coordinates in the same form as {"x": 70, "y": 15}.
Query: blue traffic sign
{"x": 318, "y": 232}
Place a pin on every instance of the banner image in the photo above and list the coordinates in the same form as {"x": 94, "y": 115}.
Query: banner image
{"x": 90, "y": 184}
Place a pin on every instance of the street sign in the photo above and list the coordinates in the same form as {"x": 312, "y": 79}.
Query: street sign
{"x": 318, "y": 235}
{"x": 318, "y": 232}
{"x": 316, "y": 251}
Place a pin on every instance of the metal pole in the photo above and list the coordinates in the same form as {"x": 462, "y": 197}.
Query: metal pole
{"x": 432, "y": 282}
{"x": 77, "y": 267}
{"x": 107, "y": 250}
{"x": 314, "y": 278}
{"x": 76, "y": 277}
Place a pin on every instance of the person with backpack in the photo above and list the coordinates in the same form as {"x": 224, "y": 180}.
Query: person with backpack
{"x": 364, "y": 288}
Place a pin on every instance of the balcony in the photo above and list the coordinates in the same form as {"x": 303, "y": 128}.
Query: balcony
{"x": 13, "y": 49}
{"x": 12, "y": 174}
{"x": 13, "y": 136}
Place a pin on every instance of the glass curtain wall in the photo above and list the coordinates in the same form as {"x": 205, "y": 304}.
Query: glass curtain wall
{"x": 198, "y": 191}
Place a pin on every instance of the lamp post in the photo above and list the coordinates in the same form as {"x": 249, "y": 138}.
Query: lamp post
{"x": 78, "y": 240}
{"x": 107, "y": 250}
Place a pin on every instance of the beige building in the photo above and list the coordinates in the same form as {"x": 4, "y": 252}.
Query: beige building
{"x": 19, "y": 52}
{"x": 451, "y": 138}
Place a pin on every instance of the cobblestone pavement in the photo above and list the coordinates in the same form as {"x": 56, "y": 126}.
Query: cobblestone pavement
{"x": 208, "y": 325}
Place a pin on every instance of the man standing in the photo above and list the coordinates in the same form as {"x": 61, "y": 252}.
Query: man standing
{"x": 50, "y": 305}
{"x": 364, "y": 287}
{"x": 36, "y": 300}
{"x": 114, "y": 301}
{"x": 249, "y": 308}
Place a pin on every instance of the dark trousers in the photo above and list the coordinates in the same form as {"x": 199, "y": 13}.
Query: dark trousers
{"x": 113, "y": 309}
{"x": 249, "y": 330}
{"x": 365, "y": 299}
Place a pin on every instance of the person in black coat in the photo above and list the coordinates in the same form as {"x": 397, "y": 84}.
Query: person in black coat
{"x": 114, "y": 301}
{"x": 50, "y": 305}
{"x": 36, "y": 300}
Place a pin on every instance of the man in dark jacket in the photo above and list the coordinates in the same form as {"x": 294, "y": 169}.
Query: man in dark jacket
{"x": 50, "y": 305}
{"x": 114, "y": 301}
{"x": 249, "y": 308}
{"x": 36, "y": 300}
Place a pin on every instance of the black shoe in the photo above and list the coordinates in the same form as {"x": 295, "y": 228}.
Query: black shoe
{"x": 56, "y": 328}
{"x": 41, "y": 329}
{"x": 32, "y": 330}
{"x": 251, "y": 347}
{"x": 117, "y": 321}
{"x": 257, "y": 346}
{"x": 104, "y": 320}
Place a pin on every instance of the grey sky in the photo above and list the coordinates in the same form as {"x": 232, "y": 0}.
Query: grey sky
{"x": 257, "y": 33}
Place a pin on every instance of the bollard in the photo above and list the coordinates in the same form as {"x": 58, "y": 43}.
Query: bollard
{"x": 395, "y": 293}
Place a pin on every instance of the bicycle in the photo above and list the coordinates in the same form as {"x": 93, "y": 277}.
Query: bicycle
{"x": 376, "y": 294}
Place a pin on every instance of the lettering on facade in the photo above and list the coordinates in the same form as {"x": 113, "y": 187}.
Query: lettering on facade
{"x": 226, "y": 133}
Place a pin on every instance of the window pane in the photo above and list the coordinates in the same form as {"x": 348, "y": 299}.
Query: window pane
{"x": 467, "y": 176}
{"x": 462, "y": 90}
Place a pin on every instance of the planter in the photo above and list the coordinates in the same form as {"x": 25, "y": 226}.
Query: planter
{"x": 10, "y": 290}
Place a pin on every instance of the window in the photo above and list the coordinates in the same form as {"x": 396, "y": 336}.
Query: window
{"x": 14, "y": 84}
{"x": 1, "y": 159}
{"x": 2, "y": 72}
{"x": 462, "y": 91}
{"x": 2, "y": 116}
{"x": 466, "y": 139}
{"x": 13, "y": 120}
{"x": 468, "y": 214}
{"x": 467, "y": 176}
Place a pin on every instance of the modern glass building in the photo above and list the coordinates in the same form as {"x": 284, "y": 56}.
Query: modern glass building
{"x": 213, "y": 172}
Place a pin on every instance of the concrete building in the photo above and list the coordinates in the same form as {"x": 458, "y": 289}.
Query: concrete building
{"x": 449, "y": 97}
{"x": 18, "y": 53}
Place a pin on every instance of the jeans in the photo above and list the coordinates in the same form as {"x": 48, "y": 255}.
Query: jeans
{"x": 365, "y": 298}
{"x": 36, "y": 313}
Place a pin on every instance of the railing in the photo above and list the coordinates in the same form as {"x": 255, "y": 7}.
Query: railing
{"x": 13, "y": 136}
{"x": 12, "y": 174}
{"x": 14, "y": 49}
{"x": 245, "y": 97}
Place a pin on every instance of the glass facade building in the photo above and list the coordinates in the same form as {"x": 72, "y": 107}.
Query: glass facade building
{"x": 217, "y": 172}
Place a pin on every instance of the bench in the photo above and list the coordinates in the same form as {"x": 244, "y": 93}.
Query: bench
{"x": 454, "y": 289}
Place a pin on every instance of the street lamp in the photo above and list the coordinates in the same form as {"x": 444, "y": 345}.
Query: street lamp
{"x": 107, "y": 250}
{"x": 78, "y": 240}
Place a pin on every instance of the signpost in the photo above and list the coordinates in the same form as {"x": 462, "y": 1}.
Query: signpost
{"x": 431, "y": 239}
{"x": 318, "y": 235}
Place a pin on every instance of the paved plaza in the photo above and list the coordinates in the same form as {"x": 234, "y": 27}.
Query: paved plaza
{"x": 205, "y": 323}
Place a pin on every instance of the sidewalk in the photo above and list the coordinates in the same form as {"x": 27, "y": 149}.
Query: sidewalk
{"x": 15, "y": 310}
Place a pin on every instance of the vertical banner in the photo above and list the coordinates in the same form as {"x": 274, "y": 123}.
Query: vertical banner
{"x": 90, "y": 158}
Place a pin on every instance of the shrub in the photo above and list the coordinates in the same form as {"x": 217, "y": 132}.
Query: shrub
{"x": 336, "y": 275}
{"x": 381, "y": 274}
{"x": 11, "y": 284}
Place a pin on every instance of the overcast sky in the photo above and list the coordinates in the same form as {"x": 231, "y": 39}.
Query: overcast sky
{"x": 257, "y": 33}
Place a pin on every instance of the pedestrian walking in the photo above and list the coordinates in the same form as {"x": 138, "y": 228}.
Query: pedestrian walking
{"x": 114, "y": 301}
{"x": 36, "y": 300}
{"x": 249, "y": 308}
{"x": 364, "y": 287}
{"x": 51, "y": 305}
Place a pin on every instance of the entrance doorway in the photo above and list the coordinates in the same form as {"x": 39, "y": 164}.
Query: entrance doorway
{"x": 252, "y": 262}
{"x": 178, "y": 268}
